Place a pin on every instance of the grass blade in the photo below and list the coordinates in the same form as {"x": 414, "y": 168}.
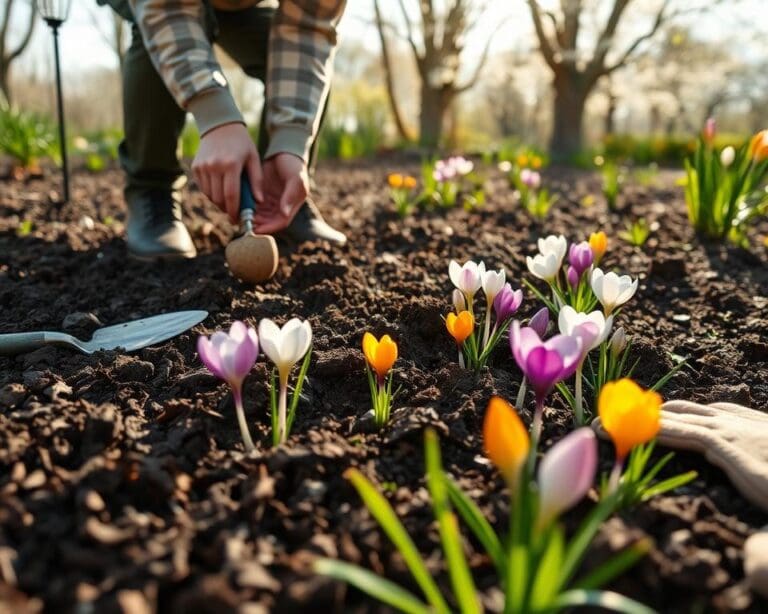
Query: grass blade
{"x": 603, "y": 599}
{"x": 371, "y": 584}
{"x": 382, "y": 511}
{"x": 617, "y": 565}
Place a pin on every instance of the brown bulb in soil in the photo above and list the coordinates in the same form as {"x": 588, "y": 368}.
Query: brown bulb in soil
{"x": 252, "y": 258}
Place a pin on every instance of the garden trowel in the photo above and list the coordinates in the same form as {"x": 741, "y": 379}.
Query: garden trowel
{"x": 251, "y": 257}
{"x": 129, "y": 336}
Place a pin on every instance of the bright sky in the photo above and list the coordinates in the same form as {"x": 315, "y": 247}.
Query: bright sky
{"x": 84, "y": 48}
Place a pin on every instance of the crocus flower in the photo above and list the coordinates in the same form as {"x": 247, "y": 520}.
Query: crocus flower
{"x": 231, "y": 356}
{"x": 460, "y": 327}
{"x": 395, "y": 180}
{"x": 381, "y": 354}
{"x": 467, "y": 278}
{"x": 285, "y": 347}
{"x": 459, "y": 302}
{"x": 629, "y": 414}
{"x": 505, "y": 166}
{"x": 505, "y": 440}
{"x": 506, "y": 303}
{"x": 566, "y": 474}
{"x": 580, "y": 257}
{"x": 409, "y": 182}
{"x": 522, "y": 160}
{"x": 710, "y": 128}
{"x": 540, "y": 322}
{"x": 544, "y": 267}
{"x": 530, "y": 179}
{"x": 599, "y": 244}
{"x": 570, "y": 319}
{"x": 544, "y": 363}
{"x": 553, "y": 244}
{"x": 572, "y": 277}
{"x": 618, "y": 342}
{"x": 758, "y": 146}
{"x": 727, "y": 156}
{"x": 612, "y": 290}
{"x": 492, "y": 282}
{"x": 592, "y": 329}
{"x": 536, "y": 162}
{"x": 461, "y": 165}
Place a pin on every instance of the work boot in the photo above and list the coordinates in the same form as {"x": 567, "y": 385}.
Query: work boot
{"x": 309, "y": 225}
{"x": 155, "y": 230}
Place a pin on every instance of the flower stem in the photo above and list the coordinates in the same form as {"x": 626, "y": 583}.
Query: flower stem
{"x": 579, "y": 409}
{"x": 282, "y": 405}
{"x": 520, "y": 401}
{"x": 613, "y": 481}
{"x": 487, "y": 332}
{"x": 240, "y": 412}
{"x": 461, "y": 358}
{"x": 538, "y": 417}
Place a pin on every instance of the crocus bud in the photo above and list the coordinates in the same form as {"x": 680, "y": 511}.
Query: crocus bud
{"x": 580, "y": 257}
{"x": 727, "y": 156}
{"x": 599, "y": 244}
{"x": 758, "y": 146}
{"x": 618, "y": 342}
{"x": 573, "y": 277}
{"x": 709, "y": 130}
{"x": 506, "y": 303}
{"x": 629, "y": 414}
{"x": 566, "y": 474}
{"x": 505, "y": 439}
{"x": 459, "y": 302}
{"x": 540, "y": 322}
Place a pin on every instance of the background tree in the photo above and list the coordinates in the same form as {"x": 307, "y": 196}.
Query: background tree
{"x": 576, "y": 70}
{"x": 9, "y": 52}
{"x": 436, "y": 40}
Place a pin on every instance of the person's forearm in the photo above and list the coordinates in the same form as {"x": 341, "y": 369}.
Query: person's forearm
{"x": 302, "y": 42}
{"x": 175, "y": 38}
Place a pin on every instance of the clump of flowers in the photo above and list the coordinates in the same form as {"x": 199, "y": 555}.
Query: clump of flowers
{"x": 535, "y": 565}
{"x": 380, "y": 356}
{"x": 537, "y": 201}
{"x": 285, "y": 347}
{"x": 632, "y": 418}
{"x": 724, "y": 190}
{"x": 445, "y": 180}
{"x": 501, "y": 303}
{"x": 402, "y": 189}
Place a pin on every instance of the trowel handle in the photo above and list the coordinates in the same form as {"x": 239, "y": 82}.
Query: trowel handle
{"x": 247, "y": 202}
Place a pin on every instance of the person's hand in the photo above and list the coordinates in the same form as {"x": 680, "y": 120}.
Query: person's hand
{"x": 286, "y": 187}
{"x": 223, "y": 154}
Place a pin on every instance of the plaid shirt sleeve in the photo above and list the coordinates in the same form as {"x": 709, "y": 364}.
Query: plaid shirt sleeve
{"x": 175, "y": 37}
{"x": 301, "y": 48}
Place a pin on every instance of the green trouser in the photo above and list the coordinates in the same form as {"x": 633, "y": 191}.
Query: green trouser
{"x": 153, "y": 122}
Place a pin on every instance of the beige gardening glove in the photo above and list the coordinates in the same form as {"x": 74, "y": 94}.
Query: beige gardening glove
{"x": 730, "y": 436}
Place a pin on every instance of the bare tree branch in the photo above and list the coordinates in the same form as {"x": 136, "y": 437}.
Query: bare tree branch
{"x": 409, "y": 31}
{"x": 389, "y": 81}
{"x": 545, "y": 45}
{"x": 27, "y": 37}
{"x": 483, "y": 58}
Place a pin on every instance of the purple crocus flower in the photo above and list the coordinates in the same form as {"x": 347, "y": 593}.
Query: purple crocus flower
{"x": 580, "y": 257}
{"x": 506, "y": 303}
{"x": 573, "y": 277}
{"x": 540, "y": 322}
{"x": 544, "y": 363}
{"x": 530, "y": 179}
{"x": 231, "y": 356}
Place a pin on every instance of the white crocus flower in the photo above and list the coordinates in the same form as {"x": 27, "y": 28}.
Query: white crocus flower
{"x": 492, "y": 283}
{"x": 727, "y": 156}
{"x": 612, "y": 290}
{"x": 459, "y": 302}
{"x": 467, "y": 277}
{"x": 569, "y": 319}
{"x": 285, "y": 347}
{"x": 544, "y": 266}
{"x": 553, "y": 244}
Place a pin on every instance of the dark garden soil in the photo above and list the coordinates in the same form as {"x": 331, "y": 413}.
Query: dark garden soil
{"x": 123, "y": 482}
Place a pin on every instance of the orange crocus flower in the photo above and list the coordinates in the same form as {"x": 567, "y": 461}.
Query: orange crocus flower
{"x": 598, "y": 241}
{"x": 629, "y": 414}
{"x": 460, "y": 326}
{"x": 758, "y": 146}
{"x": 505, "y": 439}
{"x": 381, "y": 354}
{"x": 409, "y": 182}
{"x": 395, "y": 180}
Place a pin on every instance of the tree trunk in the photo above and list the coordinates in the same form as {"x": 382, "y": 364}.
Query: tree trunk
{"x": 434, "y": 104}
{"x": 569, "y": 102}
